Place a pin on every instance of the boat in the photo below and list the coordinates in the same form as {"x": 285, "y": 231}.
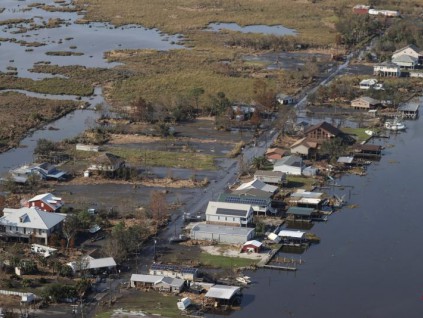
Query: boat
{"x": 243, "y": 280}
{"x": 369, "y": 132}
{"x": 394, "y": 125}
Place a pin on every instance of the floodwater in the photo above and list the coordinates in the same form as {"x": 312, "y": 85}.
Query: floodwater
{"x": 278, "y": 30}
{"x": 92, "y": 40}
{"x": 369, "y": 261}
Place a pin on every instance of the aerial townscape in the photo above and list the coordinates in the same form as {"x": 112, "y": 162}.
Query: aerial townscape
{"x": 210, "y": 158}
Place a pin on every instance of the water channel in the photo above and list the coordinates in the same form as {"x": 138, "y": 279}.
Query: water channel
{"x": 369, "y": 261}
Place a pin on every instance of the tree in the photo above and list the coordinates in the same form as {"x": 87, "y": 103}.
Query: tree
{"x": 219, "y": 104}
{"x": 158, "y": 206}
{"x": 70, "y": 228}
{"x": 259, "y": 162}
{"x": 263, "y": 95}
{"x": 44, "y": 147}
{"x": 142, "y": 110}
{"x": 195, "y": 94}
{"x": 333, "y": 148}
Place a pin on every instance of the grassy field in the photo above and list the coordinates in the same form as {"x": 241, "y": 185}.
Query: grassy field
{"x": 300, "y": 182}
{"x": 148, "y": 302}
{"x": 225, "y": 262}
{"x": 165, "y": 159}
{"x": 358, "y": 133}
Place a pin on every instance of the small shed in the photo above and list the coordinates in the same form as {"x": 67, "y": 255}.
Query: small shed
{"x": 252, "y": 246}
{"x": 170, "y": 284}
{"x": 289, "y": 235}
{"x": 142, "y": 280}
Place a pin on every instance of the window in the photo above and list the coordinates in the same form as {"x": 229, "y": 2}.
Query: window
{"x": 40, "y": 231}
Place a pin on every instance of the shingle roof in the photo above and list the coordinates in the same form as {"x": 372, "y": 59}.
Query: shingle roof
{"x": 326, "y": 126}
{"x": 30, "y": 218}
{"x": 294, "y": 161}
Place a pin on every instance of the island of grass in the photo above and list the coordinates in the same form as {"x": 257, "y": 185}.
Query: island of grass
{"x": 64, "y": 53}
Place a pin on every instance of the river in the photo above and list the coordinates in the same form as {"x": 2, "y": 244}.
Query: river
{"x": 368, "y": 263}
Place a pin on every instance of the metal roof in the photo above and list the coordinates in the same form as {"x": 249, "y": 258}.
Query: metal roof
{"x": 254, "y": 243}
{"x": 258, "y": 184}
{"x": 222, "y": 291}
{"x": 268, "y": 173}
{"x": 152, "y": 279}
{"x": 294, "y": 161}
{"x": 288, "y": 233}
{"x": 173, "y": 268}
{"x": 227, "y": 208}
{"x": 306, "y": 194}
{"x": 300, "y": 211}
{"x": 30, "y": 218}
{"x": 345, "y": 159}
{"x": 411, "y": 107}
{"x": 310, "y": 201}
{"x": 174, "y": 282}
{"x": 101, "y": 262}
{"x": 222, "y": 229}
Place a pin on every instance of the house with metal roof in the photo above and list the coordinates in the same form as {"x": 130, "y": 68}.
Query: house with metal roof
{"x": 46, "y": 202}
{"x": 387, "y": 69}
{"x": 223, "y": 294}
{"x": 26, "y": 223}
{"x": 300, "y": 213}
{"x": 291, "y": 165}
{"x": 260, "y": 185}
{"x": 170, "y": 285}
{"x": 409, "y": 50}
{"x": 90, "y": 263}
{"x": 270, "y": 177}
{"x": 291, "y": 235}
{"x": 143, "y": 280}
{"x": 174, "y": 271}
{"x": 260, "y": 201}
{"x": 45, "y": 171}
{"x": 364, "y": 102}
{"x": 221, "y": 233}
{"x": 406, "y": 61}
{"x": 409, "y": 110}
{"x": 226, "y": 213}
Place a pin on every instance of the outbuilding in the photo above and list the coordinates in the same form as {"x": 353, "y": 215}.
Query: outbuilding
{"x": 291, "y": 165}
{"x": 223, "y": 294}
{"x": 251, "y": 246}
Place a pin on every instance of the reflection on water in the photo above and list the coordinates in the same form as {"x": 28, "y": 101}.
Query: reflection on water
{"x": 92, "y": 40}
{"x": 369, "y": 261}
{"x": 264, "y": 29}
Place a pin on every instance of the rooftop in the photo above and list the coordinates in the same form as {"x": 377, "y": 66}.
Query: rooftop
{"x": 326, "y": 126}
{"x": 289, "y": 233}
{"x": 228, "y": 208}
{"x": 294, "y": 210}
{"x": 221, "y": 229}
{"x": 410, "y": 107}
{"x": 294, "y": 161}
{"x": 222, "y": 291}
{"x": 257, "y": 184}
{"x": 30, "y": 218}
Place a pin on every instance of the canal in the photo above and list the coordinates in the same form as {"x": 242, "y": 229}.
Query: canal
{"x": 369, "y": 261}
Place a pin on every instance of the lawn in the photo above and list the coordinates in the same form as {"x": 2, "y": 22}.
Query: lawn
{"x": 151, "y": 302}
{"x": 300, "y": 182}
{"x": 358, "y": 133}
{"x": 225, "y": 262}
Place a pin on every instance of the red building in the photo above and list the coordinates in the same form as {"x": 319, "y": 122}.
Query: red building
{"x": 46, "y": 202}
{"x": 361, "y": 9}
{"x": 251, "y": 247}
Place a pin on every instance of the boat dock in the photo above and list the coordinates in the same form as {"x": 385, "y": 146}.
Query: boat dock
{"x": 284, "y": 265}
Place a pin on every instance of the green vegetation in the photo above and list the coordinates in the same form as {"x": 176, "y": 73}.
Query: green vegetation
{"x": 300, "y": 182}
{"x": 358, "y": 133}
{"x": 57, "y": 86}
{"x": 225, "y": 262}
{"x": 150, "y": 302}
{"x": 165, "y": 159}
{"x": 64, "y": 53}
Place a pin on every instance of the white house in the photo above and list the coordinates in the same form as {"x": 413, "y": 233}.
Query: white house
{"x": 406, "y": 61}
{"x": 285, "y": 99}
{"x": 222, "y": 233}
{"x": 25, "y": 223}
{"x": 291, "y": 165}
{"x": 270, "y": 177}
{"x": 387, "y": 69}
{"x": 90, "y": 263}
{"x": 371, "y": 83}
{"x": 232, "y": 214}
{"x": 259, "y": 185}
{"x": 410, "y": 50}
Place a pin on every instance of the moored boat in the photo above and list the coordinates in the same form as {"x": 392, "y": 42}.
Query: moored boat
{"x": 395, "y": 125}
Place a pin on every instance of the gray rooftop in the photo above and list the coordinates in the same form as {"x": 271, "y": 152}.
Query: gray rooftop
{"x": 300, "y": 211}
{"x": 223, "y": 211}
{"x": 221, "y": 229}
{"x": 409, "y": 107}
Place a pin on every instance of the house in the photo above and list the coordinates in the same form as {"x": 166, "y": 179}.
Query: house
{"x": 143, "y": 280}
{"x": 291, "y": 165}
{"x": 406, "y": 61}
{"x": 44, "y": 171}
{"x": 107, "y": 162}
{"x": 259, "y": 185}
{"x": 259, "y": 200}
{"x": 304, "y": 147}
{"x": 174, "y": 271}
{"x": 387, "y": 69}
{"x": 300, "y": 213}
{"x": 221, "y": 233}
{"x": 371, "y": 83}
{"x": 271, "y": 177}
{"x": 93, "y": 264}
{"x": 273, "y": 154}
{"x": 291, "y": 236}
{"x": 285, "y": 99}
{"x": 364, "y": 102}
{"x": 367, "y": 151}
{"x": 29, "y": 224}
{"x": 252, "y": 246}
{"x": 223, "y": 294}
{"x": 91, "y": 148}
{"x": 322, "y": 131}
{"x": 242, "y": 111}
{"x": 306, "y": 199}
{"x": 46, "y": 202}
{"x": 231, "y": 214}
{"x": 409, "y": 110}
{"x": 410, "y": 50}
{"x": 346, "y": 161}
{"x": 170, "y": 285}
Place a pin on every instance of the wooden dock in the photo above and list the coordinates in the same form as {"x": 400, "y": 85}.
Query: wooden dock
{"x": 280, "y": 267}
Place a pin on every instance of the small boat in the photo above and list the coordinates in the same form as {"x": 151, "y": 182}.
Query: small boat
{"x": 243, "y": 280}
{"x": 369, "y": 132}
{"x": 394, "y": 125}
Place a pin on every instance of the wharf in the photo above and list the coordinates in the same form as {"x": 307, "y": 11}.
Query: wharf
{"x": 264, "y": 263}
{"x": 280, "y": 267}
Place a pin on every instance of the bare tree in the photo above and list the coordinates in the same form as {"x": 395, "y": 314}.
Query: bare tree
{"x": 70, "y": 228}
